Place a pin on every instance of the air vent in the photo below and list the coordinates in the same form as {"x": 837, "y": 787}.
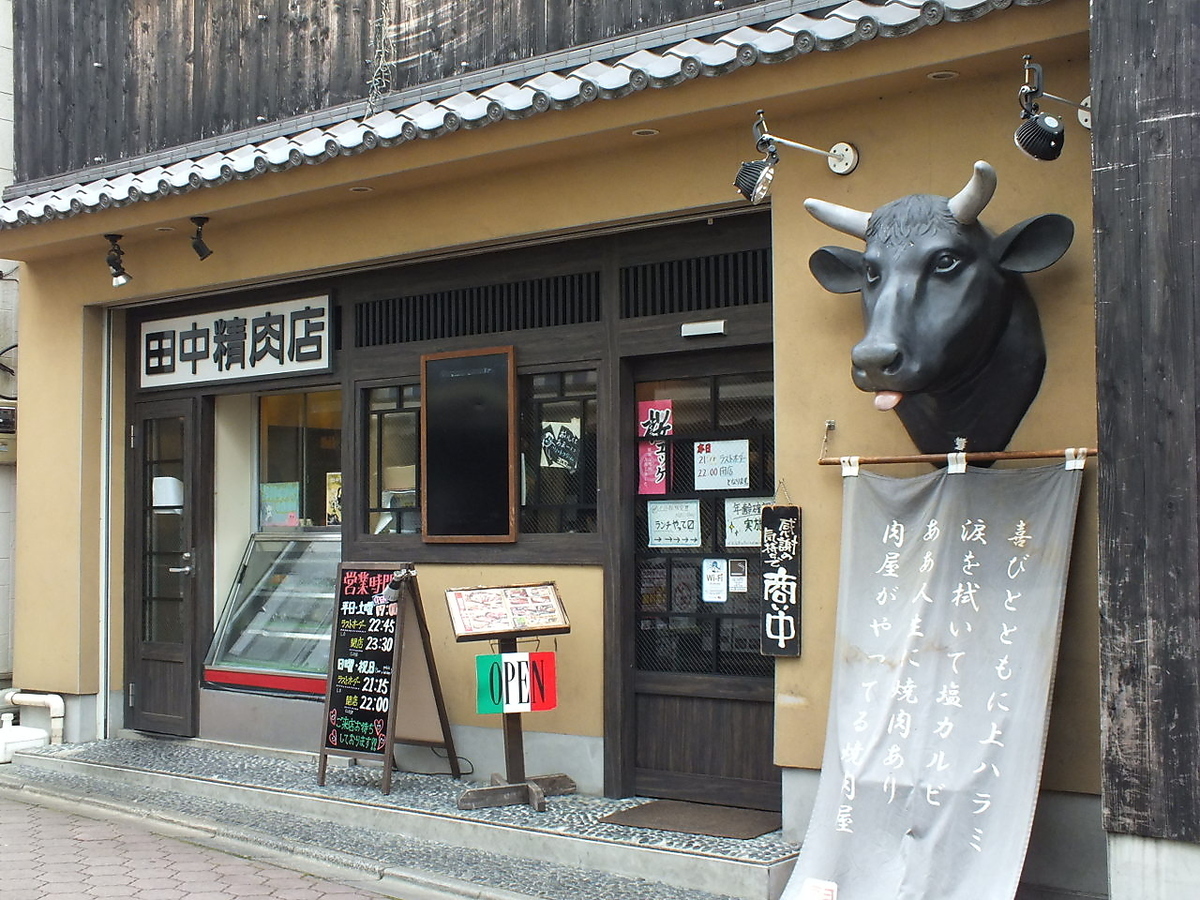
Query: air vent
{"x": 515, "y": 306}
{"x": 693, "y": 285}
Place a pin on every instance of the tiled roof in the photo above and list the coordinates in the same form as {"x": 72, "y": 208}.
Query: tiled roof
{"x": 771, "y": 32}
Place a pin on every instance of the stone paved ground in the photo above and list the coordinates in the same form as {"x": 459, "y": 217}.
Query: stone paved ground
{"x": 47, "y": 854}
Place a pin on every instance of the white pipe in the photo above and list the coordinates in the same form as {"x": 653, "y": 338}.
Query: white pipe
{"x": 52, "y": 702}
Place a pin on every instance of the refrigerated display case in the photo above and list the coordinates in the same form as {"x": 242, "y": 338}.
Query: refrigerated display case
{"x": 274, "y": 631}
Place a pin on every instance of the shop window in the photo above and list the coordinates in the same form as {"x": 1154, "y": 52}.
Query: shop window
{"x": 691, "y": 518}
{"x": 300, "y": 459}
{"x": 558, "y": 452}
{"x": 393, "y": 459}
{"x": 557, "y": 448}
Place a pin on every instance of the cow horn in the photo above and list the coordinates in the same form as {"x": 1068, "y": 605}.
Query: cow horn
{"x": 843, "y": 218}
{"x": 968, "y": 203}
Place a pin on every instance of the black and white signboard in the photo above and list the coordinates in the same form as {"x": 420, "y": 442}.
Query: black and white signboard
{"x": 949, "y": 609}
{"x": 779, "y": 605}
{"x": 282, "y": 338}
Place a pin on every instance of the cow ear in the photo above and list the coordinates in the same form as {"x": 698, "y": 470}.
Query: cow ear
{"x": 1034, "y": 244}
{"x": 839, "y": 269}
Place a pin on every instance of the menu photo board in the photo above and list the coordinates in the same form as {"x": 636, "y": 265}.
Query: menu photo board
{"x": 381, "y": 660}
{"x": 491, "y": 613}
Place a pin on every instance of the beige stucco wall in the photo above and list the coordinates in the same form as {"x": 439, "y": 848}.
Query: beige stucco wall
{"x": 566, "y": 172}
{"x": 814, "y": 331}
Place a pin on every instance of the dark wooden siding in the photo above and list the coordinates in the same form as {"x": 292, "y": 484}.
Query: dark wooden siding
{"x": 1146, "y": 182}
{"x": 107, "y": 79}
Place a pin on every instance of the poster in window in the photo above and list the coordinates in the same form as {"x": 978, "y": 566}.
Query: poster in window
{"x": 743, "y": 521}
{"x": 279, "y": 504}
{"x": 722, "y": 465}
{"x": 560, "y": 445}
{"x": 716, "y": 581}
{"x": 673, "y": 523}
{"x": 655, "y": 420}
{"x": 468, "y": 446}
{"x": 333, "y": 498}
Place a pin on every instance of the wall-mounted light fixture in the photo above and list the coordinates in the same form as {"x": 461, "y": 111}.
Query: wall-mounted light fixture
{"x": 754, "y": 178}
{"x": 115, "y": 267}
{"x": 198, "y": 244}
{"x": 1041, "y": 134}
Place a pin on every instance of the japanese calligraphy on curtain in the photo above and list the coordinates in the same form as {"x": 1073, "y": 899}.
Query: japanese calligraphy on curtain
{"x": 948, "y": 619}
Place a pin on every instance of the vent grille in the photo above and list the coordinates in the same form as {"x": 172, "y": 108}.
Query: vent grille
{"x": 692, "y": 285}
{"x": 516, "y": 306}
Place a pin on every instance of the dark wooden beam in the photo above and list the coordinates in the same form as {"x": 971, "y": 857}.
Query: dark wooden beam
{"x": 1146, "y": 184}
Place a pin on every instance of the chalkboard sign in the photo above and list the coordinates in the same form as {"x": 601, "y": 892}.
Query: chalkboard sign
{"x": 379, "y": 662}
{"x": 468, "y": 446}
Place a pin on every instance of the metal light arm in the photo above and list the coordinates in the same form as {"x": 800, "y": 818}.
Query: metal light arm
{"x": 772, "y": 139}
{"x": 842, "y": 157}
{"x": 1031, "y": 91}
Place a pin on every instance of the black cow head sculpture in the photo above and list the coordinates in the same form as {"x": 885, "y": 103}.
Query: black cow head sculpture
{"x": 953, "y": 342}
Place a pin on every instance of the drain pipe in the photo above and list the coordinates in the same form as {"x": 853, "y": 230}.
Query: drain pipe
{"x": 52, "y": 702}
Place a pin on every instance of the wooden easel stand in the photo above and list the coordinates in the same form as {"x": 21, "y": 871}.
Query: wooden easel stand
{"x": 517, "y": 787}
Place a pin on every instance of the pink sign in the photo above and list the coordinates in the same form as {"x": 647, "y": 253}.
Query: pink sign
{"x": 654, "y": 457}
{"x": 654, "y": 418}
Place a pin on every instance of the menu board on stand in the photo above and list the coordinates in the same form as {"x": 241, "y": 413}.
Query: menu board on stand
{"x": 381, "y": 665}
{"x": 504, "y": 614}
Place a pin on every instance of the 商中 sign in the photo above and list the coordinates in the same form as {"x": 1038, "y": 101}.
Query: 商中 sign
{"x": 515, "y": 682}
{"x": 779, "y": 608}
{"x": 282, "y": 338}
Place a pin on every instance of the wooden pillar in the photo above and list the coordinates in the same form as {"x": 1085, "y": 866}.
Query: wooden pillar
{"x": 1146, "y": 187}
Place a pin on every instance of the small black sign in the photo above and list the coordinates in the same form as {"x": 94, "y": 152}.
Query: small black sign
{"x": 366, "y": 643}
{"x": 779, "y": 609}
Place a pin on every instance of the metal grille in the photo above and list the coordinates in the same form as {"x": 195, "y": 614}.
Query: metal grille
{"x": 513, "y": 306}
{"x": 693, "y": 285}
{"x": 678, "y": 630}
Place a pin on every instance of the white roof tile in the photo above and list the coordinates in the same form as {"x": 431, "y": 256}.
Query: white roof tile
{"x": 605, "y": 71}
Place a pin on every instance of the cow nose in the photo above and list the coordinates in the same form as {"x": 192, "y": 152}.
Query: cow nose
{"x": 885, "y": 358}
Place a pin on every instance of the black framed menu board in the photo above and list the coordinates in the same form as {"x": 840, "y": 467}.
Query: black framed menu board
{"x": 381, "y": 665}
{"x": 469, "y": 446}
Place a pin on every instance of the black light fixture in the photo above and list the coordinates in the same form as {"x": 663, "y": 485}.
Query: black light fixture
{"x": 754, "y": 178}
{"x": 115, "y": 267}
{"x": 1041, "y": 134}
{"x": 201, "y": 248}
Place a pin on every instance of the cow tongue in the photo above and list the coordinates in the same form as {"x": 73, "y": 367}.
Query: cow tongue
{"x": 885, "y": 400}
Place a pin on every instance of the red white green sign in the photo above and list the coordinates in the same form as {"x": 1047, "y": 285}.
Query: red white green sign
{"x": 515, "y": 682}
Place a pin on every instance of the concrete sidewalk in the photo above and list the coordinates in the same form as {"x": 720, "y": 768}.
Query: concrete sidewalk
{"x": 52, "y": 853}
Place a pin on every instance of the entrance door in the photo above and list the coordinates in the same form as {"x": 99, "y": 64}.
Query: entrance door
{"x": 164, "y": 620}
{"x": 703, "y": 696}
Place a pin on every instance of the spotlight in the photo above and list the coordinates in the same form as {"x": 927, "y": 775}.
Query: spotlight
{"x": 201, "y": 248}
{"x": 754, "y": 178}
{"x": 1041, "y": 135}
{"x": 115, "y": 266}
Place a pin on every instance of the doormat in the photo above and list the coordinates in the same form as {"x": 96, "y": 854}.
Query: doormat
{"x": 697, "y": 818}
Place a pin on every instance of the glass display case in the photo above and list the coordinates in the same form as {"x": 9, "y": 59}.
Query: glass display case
{"x": 274, "y": 632}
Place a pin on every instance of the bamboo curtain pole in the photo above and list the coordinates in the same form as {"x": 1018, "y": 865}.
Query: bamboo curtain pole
{"x": 988, "y": 456}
